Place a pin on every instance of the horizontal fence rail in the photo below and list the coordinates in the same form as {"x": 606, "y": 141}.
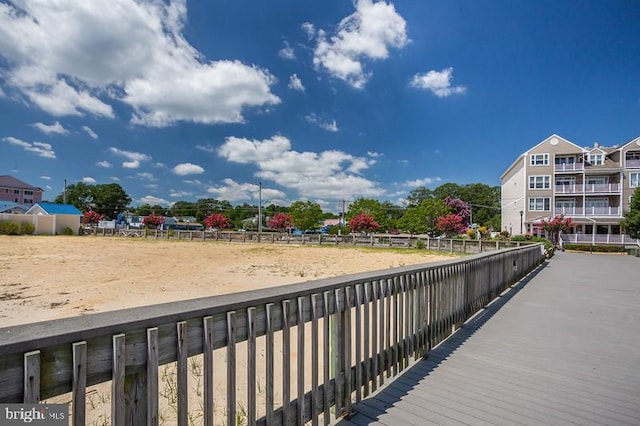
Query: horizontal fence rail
{"x": 325, "y": 344}
{"x": 470, "y": 246}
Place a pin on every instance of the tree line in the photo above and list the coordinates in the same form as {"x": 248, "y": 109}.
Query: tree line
{"x": 419, "y": 214}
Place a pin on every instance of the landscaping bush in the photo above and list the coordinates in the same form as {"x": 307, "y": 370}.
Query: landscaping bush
{"x": 9, "y": 228}
{"x": 27, "y": 228}
{"x": 67, "y": 231}
{"x": 595, "y": 248}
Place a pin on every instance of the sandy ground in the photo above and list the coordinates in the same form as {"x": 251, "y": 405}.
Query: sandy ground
{"x": 44, "y": 278}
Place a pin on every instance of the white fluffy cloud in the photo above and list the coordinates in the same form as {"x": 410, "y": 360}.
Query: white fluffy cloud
{"x": 329, "y": 174}
{"x": 89, "y": 180}
{"x": 151, "y": 200}
{"x": 104, "y": 164}
{"x": 366, "y": 34}
{"x": 438, "y": 82}
{"x": 134, "y": 157}
{"x": 48, "y": 129}
{"x": 41, "y": 149}
{"x": 90, "y": 132}
{"x": 133, "y": 164}
{"x": 295, "y": 83}
{"x": 287, "y": 52}
{"x": 144, "y": 61}
{"x": 330, "y": 126}
{"x": 233, "y": 191}
{"x": 185, "y": 169}
{"x": 421, "y": 182}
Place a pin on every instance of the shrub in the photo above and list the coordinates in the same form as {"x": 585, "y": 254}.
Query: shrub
{"x": 595, "y": 248}
{"x": 9, "y": 228}
{"x": 27, "y": 228}
{"x": 67, "y": 231}
{"x": 420, "y": 245}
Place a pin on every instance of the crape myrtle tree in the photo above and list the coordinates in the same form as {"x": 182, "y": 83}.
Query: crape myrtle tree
{"x": 556, "y": 225}
{"x": 280, "y": 222}
{"x": 385, "y": 214}
{"x": 91, "y": 217}
{"x": 217, "y": 221}
{"x": 363, "y": 223}
{"x": 152, "y": 221}
{"x": 631, "y": 222}
{"x": 306, "y": 215}
{"x": 451, "y": 224}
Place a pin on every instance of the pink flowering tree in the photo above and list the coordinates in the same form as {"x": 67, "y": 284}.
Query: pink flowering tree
{"x": 280, "y": 221}
{"x": 363, "y": 223}
{"x": 153, "y": 221}
{"x": 91, "y": 217}
{"x": 450, "y": 225}
{"x": 459, "y": 207}
{"x": 556, "y": 225}
{"x": 217, "y": 221}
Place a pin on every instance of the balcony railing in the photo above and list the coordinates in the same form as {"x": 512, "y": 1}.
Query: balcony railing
{"x": 594, "y": 188}
{"x": 588, "y": 211}
{"x": 573, "y": 167}
{"x": 570, "y": 189}
{"x": 632, "y": 164}
{"x": 614, "y": 239}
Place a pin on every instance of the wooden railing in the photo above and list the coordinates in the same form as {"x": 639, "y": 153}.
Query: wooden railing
{"x": 469, "y": 246}
{"x": 350, "y": 334}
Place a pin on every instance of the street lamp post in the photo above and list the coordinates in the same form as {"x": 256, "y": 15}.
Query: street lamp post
{"x": 521, "y": 213}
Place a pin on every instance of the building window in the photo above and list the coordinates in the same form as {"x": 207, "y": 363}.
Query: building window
{"x": 28, "y": 201}
{"x": 565, "y": 160}
{"x": 538, "y": 204}
{"x": 539, "y": 182}
{"x": 539, "y": 159}
{"x": 28, "y": 192}
{"x": 16, "y": 191}
{"x": 596, "y": 159}
{"x": 634, "y": 180}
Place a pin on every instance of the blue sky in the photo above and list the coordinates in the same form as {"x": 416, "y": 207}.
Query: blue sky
{"x": 331, "y": 100}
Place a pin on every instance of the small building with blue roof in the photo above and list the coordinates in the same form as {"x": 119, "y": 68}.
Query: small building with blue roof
{"x": 62, "y": 215}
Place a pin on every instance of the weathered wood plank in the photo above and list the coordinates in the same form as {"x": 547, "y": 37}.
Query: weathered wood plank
{"x": 152, "y": 377}
{"x": 300, "y": 371}
{"x": 182, "y": 374}
{"x": 316, "y": 303}
{"x": 231, "y": 368}
{"x": 286, "y": 361}
{"x": 326, "y": 368}
{"x": 366, "y": 344}
{"x": 31, "y": 383}
{"x": 269, "y": 359}
{"x": 358, "y": 327}
{"x": 117, "y": 380}
{"x": 79, "y": 387}
{"x": 251, "y": 368}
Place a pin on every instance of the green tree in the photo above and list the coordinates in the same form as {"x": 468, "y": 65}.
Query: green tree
{"x": 106, "y": 199}
{"x": 631, "y": 222}
{"x": 306, "y": 215}
{"x": 418, "y": 195}
{"x": 422, "y": 218}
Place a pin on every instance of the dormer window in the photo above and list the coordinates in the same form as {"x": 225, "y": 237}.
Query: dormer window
{"x": 596, "y": 158}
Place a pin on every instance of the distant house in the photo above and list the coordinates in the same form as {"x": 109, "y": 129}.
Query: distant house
{"x": 17, "y": 191}
{"x": 64, "y": 216}
{"x": 13, "y": 207}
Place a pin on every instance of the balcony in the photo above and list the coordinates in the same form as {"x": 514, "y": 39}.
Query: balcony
{"x": 588, "y": 211}
{"x": 632, "y": 164}
{"x": 569, "y": 167}
{"x": 589, "y": 189}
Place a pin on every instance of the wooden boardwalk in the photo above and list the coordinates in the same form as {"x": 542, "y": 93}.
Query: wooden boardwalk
{"x": 564, "y": 350}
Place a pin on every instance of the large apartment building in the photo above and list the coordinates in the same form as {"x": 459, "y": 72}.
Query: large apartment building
{"x": 591, "y": 185}
{"x": 17, "y": 191}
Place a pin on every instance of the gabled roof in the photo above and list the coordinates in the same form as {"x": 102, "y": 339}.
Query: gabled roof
{"x": 11, "y": 182}
{"x": 52, "y": 208}
{"x": 632, "y": 141}
{"x": 554, "y": 136}
{"x": 8, "y": 205}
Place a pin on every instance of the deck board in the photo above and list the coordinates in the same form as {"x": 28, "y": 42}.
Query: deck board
{"x": 560, "y": 348}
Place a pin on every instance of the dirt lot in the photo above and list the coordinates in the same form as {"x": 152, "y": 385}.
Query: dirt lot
{"x": 44, "y": 278}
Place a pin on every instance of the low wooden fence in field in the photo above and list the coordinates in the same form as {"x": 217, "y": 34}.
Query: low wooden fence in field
{"x": 373, "y": 240}
{"x": 324, "y": 344}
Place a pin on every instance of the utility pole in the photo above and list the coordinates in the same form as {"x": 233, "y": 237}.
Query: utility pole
{"x": 344, "y": 221}
{"x": 259, "y": 207}
{"x": 64, "y": 193}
